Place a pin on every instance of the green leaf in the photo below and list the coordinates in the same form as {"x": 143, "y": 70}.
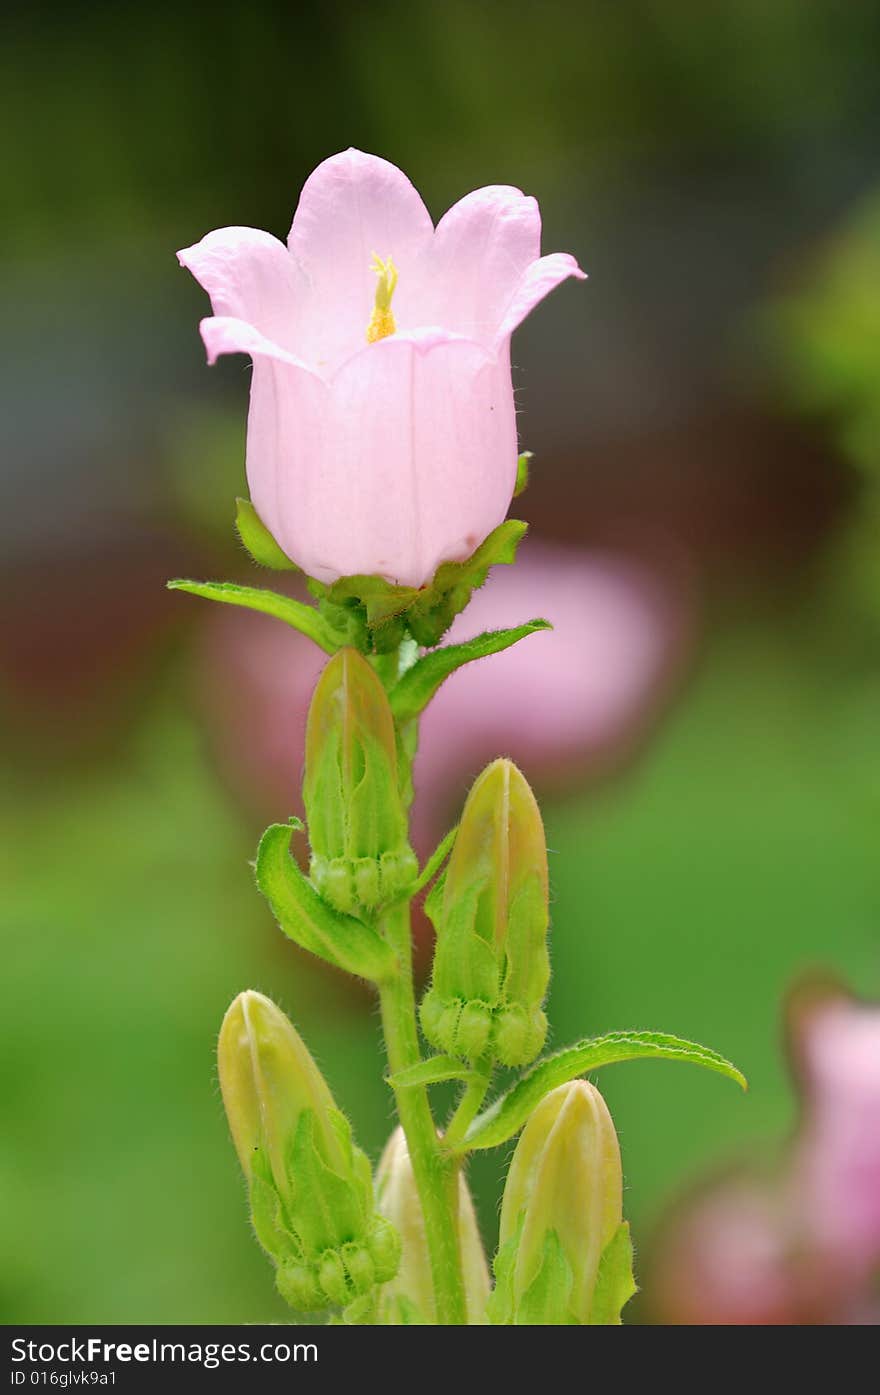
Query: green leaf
{"x": 522, "y": 473}
{"x": 615, "y": 1284}
{"x": 258, "y": 540}
{"x": 300, "y": 616}
{"x": 309, "y": 921}
{"x": 430, "y": 1072}
{"x": 418, "y": 685}
{"x": 509, "y": 1112}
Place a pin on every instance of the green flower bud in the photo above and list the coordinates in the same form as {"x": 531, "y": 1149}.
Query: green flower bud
{"x": 311, "y": 1191}
{"x": 491, "y": 966}
{"x": 357, "y": 823}
{"x": 398, "y": 1199}
{"x": 564, "y": 1252}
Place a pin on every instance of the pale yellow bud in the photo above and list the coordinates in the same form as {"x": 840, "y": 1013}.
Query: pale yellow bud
{"x": 398, "y": 1201}
{"x": 267, "y": 1078}
{"x": 565, "y": 1179}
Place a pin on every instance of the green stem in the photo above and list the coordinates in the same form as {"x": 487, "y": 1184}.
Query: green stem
{"x": 436, "y": 1173}
{"x": 468, "y": 1106}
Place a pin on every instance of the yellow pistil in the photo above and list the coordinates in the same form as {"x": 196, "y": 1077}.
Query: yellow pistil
{"x": 382, "y": 320}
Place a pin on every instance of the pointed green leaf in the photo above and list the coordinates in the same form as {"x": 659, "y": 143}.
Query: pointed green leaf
{"x": 615, "y": 1284}
{"x": 304, "y": 618}
{"x": 509, "y": 1112}
{"x": 430, "y": 1072}
{"x": 258, "y": 540}
{"x": 522, "y": 473}
{"x": 307, "y": 919}
{"x": 416, "y": 688}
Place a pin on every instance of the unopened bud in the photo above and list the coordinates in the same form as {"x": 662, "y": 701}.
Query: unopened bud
{"x": 398, "y": 1199}
{"x": 311, "y": 1191}
{"x": 564, "y": 1253}
{"x": 491, "y": 966}
{"x": 361, "y": 855}
{"x": 268, "y": 1078}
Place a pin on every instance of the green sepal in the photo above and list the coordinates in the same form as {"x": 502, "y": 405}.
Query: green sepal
{"x": 401, "y": 1311}
{"x": 418, "y": 685}
{"x": 297, "y": 614}
{"x": 522, "y": 473}
{"x": 309, "y": 921}
{"x": 426, "y": 612}
{"x": 499, "y": 1305}
{"x": 547, "y": 1300}
{"x": 258, "y": 541}
{"x": 430, "y": 1072}
{"x": 509, "y": 1112}
{"x": 326, "y": 1210}
{"x": 527, "y": 971}
{"x": 615, "y": 1283}
{"x": 465, "y": 965}
{"x": 267, "y": 1213}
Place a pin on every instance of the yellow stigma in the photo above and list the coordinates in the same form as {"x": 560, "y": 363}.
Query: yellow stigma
{"x": 382, "y": 320}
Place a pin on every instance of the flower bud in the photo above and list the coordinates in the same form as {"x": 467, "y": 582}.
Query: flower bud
{"x": 491, "y": 966}
{"x": 310, "y": 1188}
{"x": 398, "y": 1199}
{"x": 357, "y": 824}
{"x": 564, "y": 1253}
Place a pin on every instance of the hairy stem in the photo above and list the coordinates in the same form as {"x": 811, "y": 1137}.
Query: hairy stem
{"x": 436, "y": 1174}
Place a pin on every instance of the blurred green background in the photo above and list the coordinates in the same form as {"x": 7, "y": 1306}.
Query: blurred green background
{"x": 711, "y": 396}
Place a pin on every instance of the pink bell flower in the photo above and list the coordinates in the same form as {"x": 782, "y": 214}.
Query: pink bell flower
{"x": 837, "y": 1176}
{"x": 381, "y": 434}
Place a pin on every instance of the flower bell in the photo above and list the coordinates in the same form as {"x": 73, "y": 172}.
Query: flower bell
{"x": 311, "y": 1192}
{"x": 389, "y": 453}
{"x": 491, "y": 913}
{"x": 412, "y": 1289}
{"x": 361, "y": 856}
{"x": 564, "y": 1253}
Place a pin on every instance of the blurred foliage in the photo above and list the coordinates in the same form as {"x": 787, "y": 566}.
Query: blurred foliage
{"x": 827, "y": 335}
{"x": 152, "y": 112}
{"x": 823, "y": 339}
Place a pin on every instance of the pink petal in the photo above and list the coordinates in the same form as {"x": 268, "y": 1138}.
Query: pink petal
{"x": 352, "y": 207}
{"x": 406, "y": 459}
{"x": 223, "y": 334}
{"x": 249, "y": 276}
{"x": 539, "y": 280}
{"x": 481, "y": 250}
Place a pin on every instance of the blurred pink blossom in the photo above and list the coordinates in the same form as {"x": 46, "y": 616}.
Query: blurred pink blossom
{"x": 561, "y": 703}
{"x": 837, "y": 1180}
{"x": 379, "y": 446}
{"x": 800, "y": 1245}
